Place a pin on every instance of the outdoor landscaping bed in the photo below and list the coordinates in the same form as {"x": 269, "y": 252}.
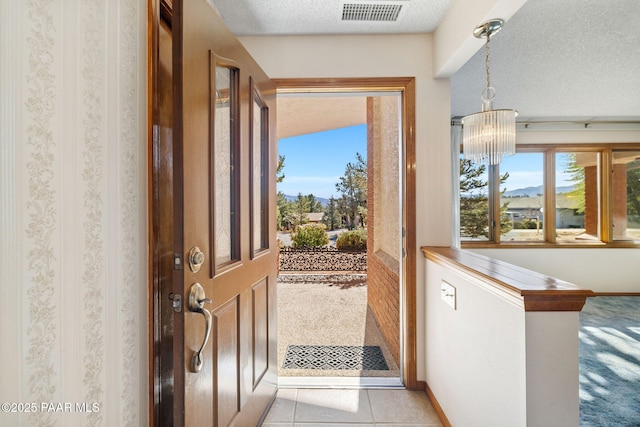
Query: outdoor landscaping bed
{"x": 322, "y": 259}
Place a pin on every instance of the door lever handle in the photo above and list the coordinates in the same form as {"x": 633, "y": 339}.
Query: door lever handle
{"x": 197, "y": 300}
{"x": 202, "y": 301}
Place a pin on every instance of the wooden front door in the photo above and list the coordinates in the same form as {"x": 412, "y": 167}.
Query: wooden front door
{"x": 224, "y": 158}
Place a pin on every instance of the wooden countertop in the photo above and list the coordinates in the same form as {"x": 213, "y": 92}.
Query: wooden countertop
{"x": 539, "y": 292}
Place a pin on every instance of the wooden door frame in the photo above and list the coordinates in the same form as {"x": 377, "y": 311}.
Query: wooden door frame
{"x": 155, "y": 10}
{"x": 153, "y": 43}
{"x": 405, "y": 85}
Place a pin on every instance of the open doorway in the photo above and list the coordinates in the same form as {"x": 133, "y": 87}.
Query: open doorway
{"x": 316, "y": 300}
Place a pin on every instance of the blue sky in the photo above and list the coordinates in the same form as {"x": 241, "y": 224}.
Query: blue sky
{"x": 315, "y": 162}
{"x": 526, "y": 170}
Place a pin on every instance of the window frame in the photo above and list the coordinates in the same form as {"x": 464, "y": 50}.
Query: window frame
{"x": 234, "y": 178}
{"x": 549, "y": 151}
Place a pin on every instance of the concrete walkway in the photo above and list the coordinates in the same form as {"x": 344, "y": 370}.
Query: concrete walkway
{"x": 327, "y": 310}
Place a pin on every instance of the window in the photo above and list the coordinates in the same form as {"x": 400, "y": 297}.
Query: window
{"x": 625, "y": 195}
{"x": 522, "y": 197}
{"x": 577, "y": 196}
{"x": 259, "y": 172}
{"x": 225, "y": 163}
{"x": 544, "y": 194}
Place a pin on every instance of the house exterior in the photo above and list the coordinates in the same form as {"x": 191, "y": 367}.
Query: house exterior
{"x": 530, "y": 208}
{"x": 75, "y": 190}
{"x": 315, "y": 217}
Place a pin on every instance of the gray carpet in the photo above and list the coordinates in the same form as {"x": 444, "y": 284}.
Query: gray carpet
{"x": 610, "y": 362}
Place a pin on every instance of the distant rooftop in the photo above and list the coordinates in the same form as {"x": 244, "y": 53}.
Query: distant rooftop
{"x": 315, "y": 216}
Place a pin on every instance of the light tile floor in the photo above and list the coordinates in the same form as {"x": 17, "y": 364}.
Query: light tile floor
{"x": 345, "y": 407}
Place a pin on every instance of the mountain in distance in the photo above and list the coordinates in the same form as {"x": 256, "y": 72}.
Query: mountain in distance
{"x": 520, "y": 192}
{"x": 535, "y": 191}
{"x": 322, "y": 200}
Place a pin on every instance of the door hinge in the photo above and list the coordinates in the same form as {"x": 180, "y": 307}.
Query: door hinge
{"x": 177, "y": 260}
{"x": 177, "y": 302}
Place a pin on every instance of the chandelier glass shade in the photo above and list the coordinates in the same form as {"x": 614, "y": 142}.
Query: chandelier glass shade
{"x": 489, "y": 135}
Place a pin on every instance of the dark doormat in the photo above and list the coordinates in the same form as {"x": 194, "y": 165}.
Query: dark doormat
{"x": 352, "y": 357}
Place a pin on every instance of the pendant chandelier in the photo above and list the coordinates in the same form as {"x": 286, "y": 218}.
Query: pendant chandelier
{"x": 489, "y": 135}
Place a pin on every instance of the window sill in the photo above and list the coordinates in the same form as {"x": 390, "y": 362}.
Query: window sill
{"x": 547, "y": 245}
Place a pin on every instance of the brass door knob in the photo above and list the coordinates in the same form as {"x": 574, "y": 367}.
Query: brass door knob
{"x": 196, "y": 259}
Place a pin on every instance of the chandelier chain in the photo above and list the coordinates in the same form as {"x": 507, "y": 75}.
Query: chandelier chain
{"x": 486, "y": 61}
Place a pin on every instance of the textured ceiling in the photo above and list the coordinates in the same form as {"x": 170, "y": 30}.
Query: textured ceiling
{"x": 574, "y": 59}
{"x": 287, "y": 17}
{"x": 554, "y": 59}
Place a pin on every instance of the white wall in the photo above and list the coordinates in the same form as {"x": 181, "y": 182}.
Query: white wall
{"x": 490, "y": 363}
{"x": 384, "y": 56}
{"x": 73, "y": 192}
{"x": 475, "y": 354}
{"x": 601, "y": 270}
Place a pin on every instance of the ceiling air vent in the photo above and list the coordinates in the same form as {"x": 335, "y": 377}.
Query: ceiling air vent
{"x": 370, "y": 11}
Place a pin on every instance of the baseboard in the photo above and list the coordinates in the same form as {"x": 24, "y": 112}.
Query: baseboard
{"x": 434, "y": 402}
{"x": 617, "y": 294}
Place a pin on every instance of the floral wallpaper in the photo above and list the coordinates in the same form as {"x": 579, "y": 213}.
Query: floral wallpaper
{"x": 73, "y": 214}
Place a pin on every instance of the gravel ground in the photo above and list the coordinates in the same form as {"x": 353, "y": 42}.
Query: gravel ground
{"x": 326, "y": 309}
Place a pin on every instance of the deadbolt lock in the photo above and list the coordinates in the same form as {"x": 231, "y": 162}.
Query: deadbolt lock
{"x": 196, "y": 259}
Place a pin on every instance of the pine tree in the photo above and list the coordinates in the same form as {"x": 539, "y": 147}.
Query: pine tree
{"x": 474, "y": 201}
{"x": 279, "y": 171}
{"x": 283, "y": 210}
{"x": 633, "y": 190}
{"x": 331, "y": 216}
{"x": 299, "y": 210}
{"x": 314, "y": 204}
{"x": 353, "y": 187}
{"x": 577, "y": 176}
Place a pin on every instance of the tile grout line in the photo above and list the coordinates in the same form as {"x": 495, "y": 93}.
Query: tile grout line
{"x": 373, "y": 417}
{"x": 295, "y": 407}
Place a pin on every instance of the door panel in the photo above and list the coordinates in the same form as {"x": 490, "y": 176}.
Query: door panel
{"x": 227, "y": 355}
{"x": 215, "y": 82}
{"x": 260, "y": 330}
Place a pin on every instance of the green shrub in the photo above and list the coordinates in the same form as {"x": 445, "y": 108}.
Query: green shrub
{"x": 352, "y": 240}
{"x": 527, "y": 224}
{"x": 310, "y": 236}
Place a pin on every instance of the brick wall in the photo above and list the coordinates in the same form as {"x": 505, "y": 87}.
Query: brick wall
{"x": 619, "y": 201}
{"x": 383, "y": 279}
{"x": 591, "y": 200}
{"x": 384, "y": 301}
